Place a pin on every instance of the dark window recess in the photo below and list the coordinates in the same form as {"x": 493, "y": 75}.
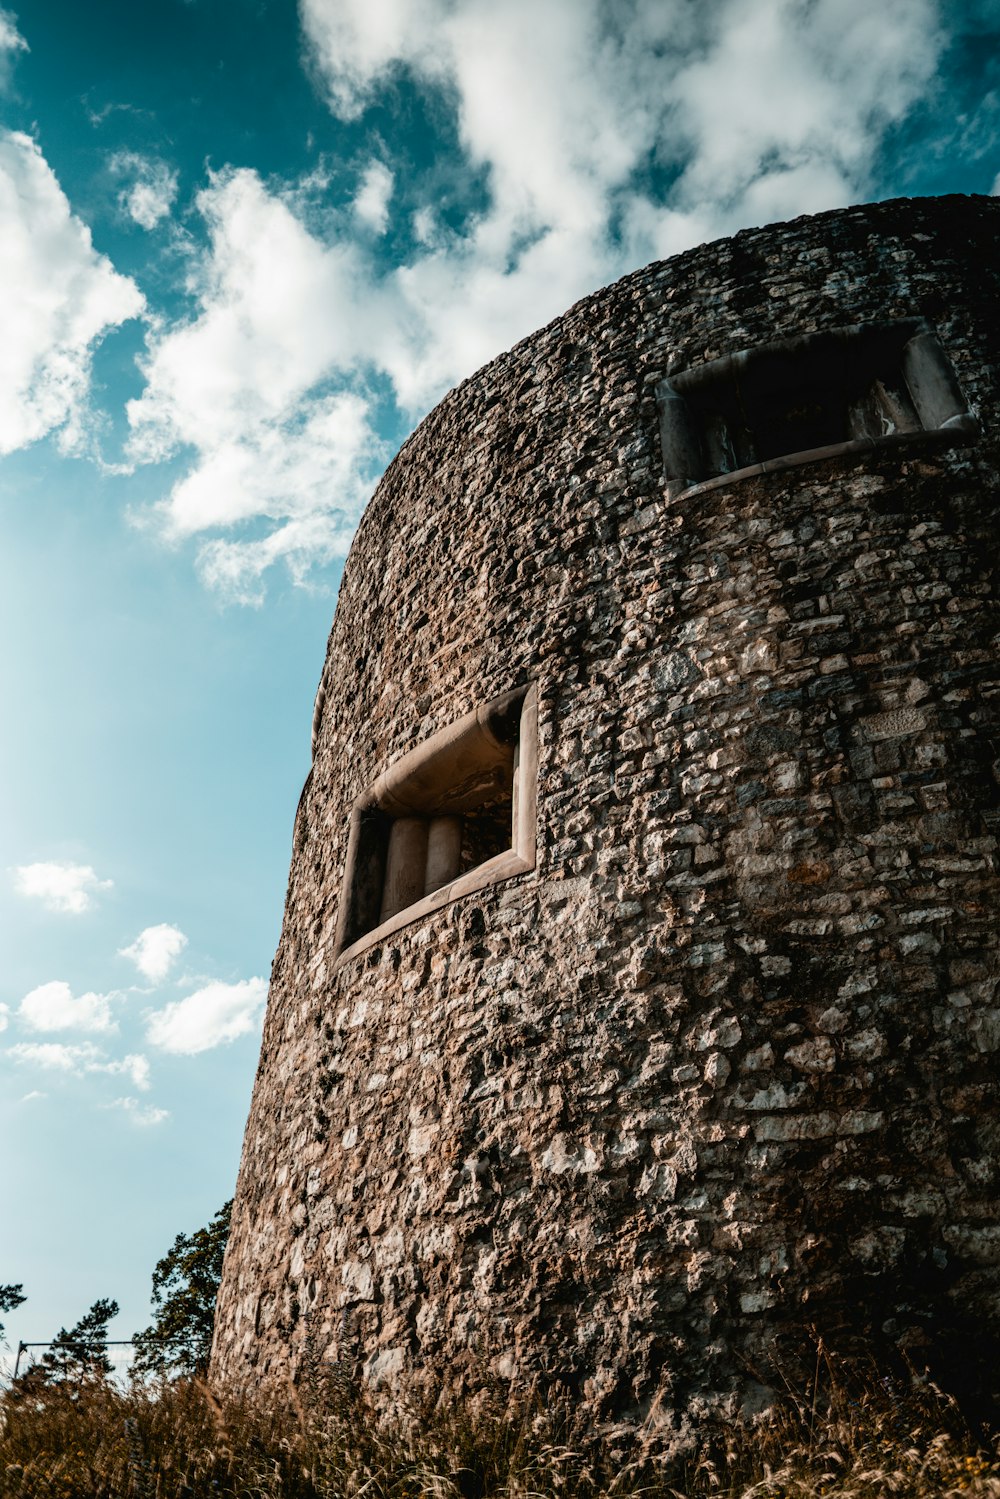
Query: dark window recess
{"x": 808, "y": 398}
{"x": 447, "y": 810}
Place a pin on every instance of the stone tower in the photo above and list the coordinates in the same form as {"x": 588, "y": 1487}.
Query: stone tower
{"x": 636, "y": 1003}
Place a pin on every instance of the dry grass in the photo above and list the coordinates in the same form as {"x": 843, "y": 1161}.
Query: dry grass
{"x": 843, "y": 1438}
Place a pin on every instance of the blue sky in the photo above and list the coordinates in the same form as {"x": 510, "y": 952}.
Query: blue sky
{"x": 246, "y": 245}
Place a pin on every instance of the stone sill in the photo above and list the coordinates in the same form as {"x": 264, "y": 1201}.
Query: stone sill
{"x": 502, "y": 867}
{"x": 961, "y": 432}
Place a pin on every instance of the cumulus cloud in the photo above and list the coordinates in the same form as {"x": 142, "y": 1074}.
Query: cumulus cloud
{"x": 567, "y": 127}
{"x": 212, "y": 1016}
{"x": 371, "y": 205}
{"x": 150, "y": 187}
{"x": 11, "y": 39}
{"x": 80, "y": 1058}
{"x": 275, "y": 316}
{"x": 4, "y": 1016}
{"x": 60, "y": 887}
{"x": 58, "y": 296}
{"x": 11, "y": 43}
{"x": 53, "y": 1007}
{"x": 55, "y": 1056}
{"x": 246, "y": 384}
{"x": 143, "y": 1115}
{"x": 155, "y": 950}
{"x": 134, "y": 1066}
{"x": 627, "y": 129}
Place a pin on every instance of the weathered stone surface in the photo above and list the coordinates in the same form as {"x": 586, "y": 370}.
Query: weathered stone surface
{"x": 723, "y": 1065}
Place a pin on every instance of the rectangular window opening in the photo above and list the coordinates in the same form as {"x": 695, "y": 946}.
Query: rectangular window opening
{"x": 454, "y": 815}
{"x": 802, "y": 399}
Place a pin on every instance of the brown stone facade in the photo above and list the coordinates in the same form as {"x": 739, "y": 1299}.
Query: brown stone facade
{"x": 713, "y": 1060}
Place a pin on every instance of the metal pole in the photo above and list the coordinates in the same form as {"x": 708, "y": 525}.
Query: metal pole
{"x": 108, "y": 1343}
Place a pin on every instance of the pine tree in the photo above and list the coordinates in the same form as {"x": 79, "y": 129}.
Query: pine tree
{"x": 185, "y": 1285}
{"x": 79, "y": 1354}
{"x": 11, "y": 1298}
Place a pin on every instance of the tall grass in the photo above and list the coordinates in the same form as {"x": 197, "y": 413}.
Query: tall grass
{"x": 847, "y": 1436}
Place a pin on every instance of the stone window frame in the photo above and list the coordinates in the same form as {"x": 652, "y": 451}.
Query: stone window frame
{"x": 500, "y": 733}
{"x": 896, "y": 374}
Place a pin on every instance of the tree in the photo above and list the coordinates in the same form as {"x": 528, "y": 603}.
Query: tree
{"x": 11, "y": 1298}
{"x": 185, "y": 1285}
{"x": 80, "y": 1353}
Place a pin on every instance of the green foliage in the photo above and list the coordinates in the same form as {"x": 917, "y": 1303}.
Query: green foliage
{"x": 11, "y": 1297}
{"x": 185, "y": 1285}
{"x": 841, "y": 1436}
{"x": 77, "y": 1355}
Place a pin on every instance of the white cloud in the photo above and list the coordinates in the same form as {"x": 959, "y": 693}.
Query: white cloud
{"x": 354, "y": 43}
{"x": 627, "y": 129}
{"x": 60, "y": 887}
{"x": 275, "y": 317}
{"x": 214, "y": 1015}
{"x": 134, "y": 1066}
{"x": 150, "y": 189}
{"x": 236, "y": 568}
{"x": 53, "y": 1007}
{"x": 4, "y": 1017}
{"x": 78, "y": 1059}
{"x": 11, "y": 39}
{"x": 155, "y": 950}
{"x": 246, "y": 384}
{"x": 303, "y": 470}
{"x": 808, "y": 89}
{"x": 144, "y": 1115}
{"x": 57, "y": 298}
{"x": 766, "y": 106}
{"x": 371, "y": 205}
{"x": 34, "y": 1094}
{"x": 55, "y": 1056}
{"x": 11, "y": 43}
{"x": 730, "y": 92}
{"x": 424, "y": 225}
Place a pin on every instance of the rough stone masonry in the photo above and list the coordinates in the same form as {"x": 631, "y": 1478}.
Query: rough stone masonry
{"x": 694, "y": 1050}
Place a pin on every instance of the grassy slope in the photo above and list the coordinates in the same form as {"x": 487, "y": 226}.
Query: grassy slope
{"x": 861, "y": 1437}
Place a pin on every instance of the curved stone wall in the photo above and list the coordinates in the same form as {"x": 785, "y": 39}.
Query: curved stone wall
{"x": 720, "y": 1064}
